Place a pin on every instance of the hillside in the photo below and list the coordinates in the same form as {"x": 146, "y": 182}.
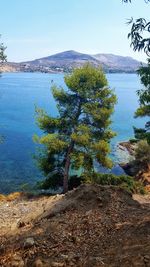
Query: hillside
{"x": 70, "y": 56}
{"x": 91, "y": 226}
{"x": 66, "y": 61}
{"x": 114, "y": 62}
{"x": 9, "y": 67}
{"x": 70, "y": 59}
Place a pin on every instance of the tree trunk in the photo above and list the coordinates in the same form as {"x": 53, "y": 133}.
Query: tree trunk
{"x": 67, "y": 166}
{"x": 70, "y": 149}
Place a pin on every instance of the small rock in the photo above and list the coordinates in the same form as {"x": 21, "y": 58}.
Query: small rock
{"x": 57, "y": 264}
{"x": 77, "y": 257}
{"x": 2, "y": 249}
{"x": 20, "y": 224}
{"x": 89, "y": 212}
{"x": 71, "y": 264}
{"x": 29, "y": 242}
{"x": 146, "y": 258}
{"x": 38, "y": 263}
{"x": 64, "y": 256}
{"x": 85, "y": 220}
{"x": 96, "y": 261}
{"x": 99, "y": 199}
{"x": 17, "y": 261}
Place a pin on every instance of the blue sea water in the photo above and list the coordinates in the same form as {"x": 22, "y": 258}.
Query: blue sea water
{"x": 20, "y": 93}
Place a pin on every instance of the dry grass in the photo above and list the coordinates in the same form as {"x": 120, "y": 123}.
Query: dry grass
{"x": 11, "y": 196}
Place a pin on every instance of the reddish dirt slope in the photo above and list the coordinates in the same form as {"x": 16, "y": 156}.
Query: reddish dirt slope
{"x": 91, "y": 226}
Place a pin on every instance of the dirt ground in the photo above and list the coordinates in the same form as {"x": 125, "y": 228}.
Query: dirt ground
{"x": 91, "y": 226}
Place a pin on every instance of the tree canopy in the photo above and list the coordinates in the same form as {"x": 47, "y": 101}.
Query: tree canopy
{"x": 2, "y": 52}
{"x": 142, "y": 156}
{"x": 79, "y": 136}
{"x": 140, "y": 33}
{"x": 139, "y": 28}
{"x": 129, "y": 1}
{"x": 144, "y": 101}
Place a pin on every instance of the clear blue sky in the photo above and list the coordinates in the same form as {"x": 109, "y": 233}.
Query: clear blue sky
{"x": 37, "y": 28}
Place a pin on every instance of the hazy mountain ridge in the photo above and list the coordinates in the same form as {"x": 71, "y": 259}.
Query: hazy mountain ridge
{"x": 67, "y": 60}
{"x": 115, "y": 61}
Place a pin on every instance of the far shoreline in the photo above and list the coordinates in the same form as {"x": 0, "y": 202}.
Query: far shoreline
{"x": 59, "y": 72}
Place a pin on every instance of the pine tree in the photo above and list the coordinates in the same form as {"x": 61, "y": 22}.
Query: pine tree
{"x": 2, "y": 52}
{"x": 142, "y": 156}
{"x": 80, "y": 135}
{"x": 144, "y": 101}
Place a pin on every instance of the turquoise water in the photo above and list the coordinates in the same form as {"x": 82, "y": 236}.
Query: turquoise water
{"x": 20, "y": 92}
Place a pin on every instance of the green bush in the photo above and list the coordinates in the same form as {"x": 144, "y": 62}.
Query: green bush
{"x": 139, "y": 188}
{"x": 111, "y": 179}
{"x": 54, "y": 182}
{"x": 75, "y": 181}
{"x": 123, "y": 181}
{"x": 142, "y": 155}
{"x": 133, "y": 141}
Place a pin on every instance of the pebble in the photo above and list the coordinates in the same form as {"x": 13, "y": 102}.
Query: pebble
{"x": 38, "y": 263}
{"x": 20, "y": 224}
{"x": 57, "y": 264}
{"x": 89, "y": 212}
{"x": 147, "y": 259}
{"x": 29, "y": 242}
{"x": 17, "y": 261}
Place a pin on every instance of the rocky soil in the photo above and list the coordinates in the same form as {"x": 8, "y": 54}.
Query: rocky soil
{"x": 91, "y": 226}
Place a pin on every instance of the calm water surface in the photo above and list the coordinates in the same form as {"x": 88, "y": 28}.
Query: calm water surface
{"x": 20, "y": 92}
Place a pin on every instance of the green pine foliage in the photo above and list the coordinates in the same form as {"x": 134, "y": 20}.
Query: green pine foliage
{"x": 142, "y": 155}
{"x": 144, "y": 101}
{"x": 81, "y": 133}
{"x": 123, "y": 181}
{"x": 2, "y": 59}
{"x": 2, "y": 52}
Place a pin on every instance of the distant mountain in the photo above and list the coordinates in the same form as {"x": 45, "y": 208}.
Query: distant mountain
{"x": 114, "y": 62}
{"x": 68, "y": 55}
{"x": 66, "y": 61}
